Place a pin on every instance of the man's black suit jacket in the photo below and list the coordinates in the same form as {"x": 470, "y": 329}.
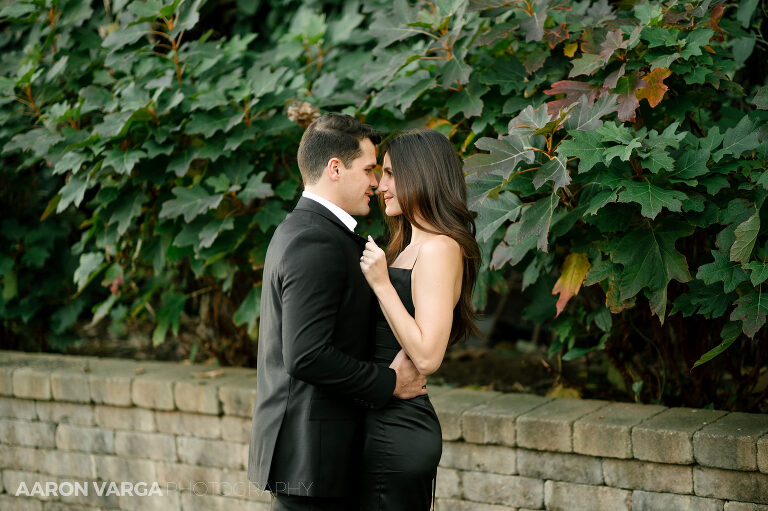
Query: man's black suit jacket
{"x": 313, "y": 385}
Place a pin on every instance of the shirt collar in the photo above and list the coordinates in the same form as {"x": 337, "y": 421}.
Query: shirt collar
{"x": 345, "y": 217}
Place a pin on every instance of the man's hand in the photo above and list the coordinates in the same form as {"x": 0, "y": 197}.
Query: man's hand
{"x": 410, "y": 382}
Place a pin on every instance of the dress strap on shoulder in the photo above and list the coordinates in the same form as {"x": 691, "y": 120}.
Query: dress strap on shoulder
{"x": 414, "y": 261}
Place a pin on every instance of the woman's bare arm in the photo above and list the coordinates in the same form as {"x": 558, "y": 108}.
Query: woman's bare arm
{"x": 436, "y": 290}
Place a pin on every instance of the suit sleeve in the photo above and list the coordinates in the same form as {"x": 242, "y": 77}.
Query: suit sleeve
{"x": 314, "y": 277}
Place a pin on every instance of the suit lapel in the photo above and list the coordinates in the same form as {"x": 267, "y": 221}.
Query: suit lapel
{"x": 315, "y": 207}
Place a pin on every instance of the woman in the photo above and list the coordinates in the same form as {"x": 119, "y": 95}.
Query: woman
{"x": 424, "y": 287}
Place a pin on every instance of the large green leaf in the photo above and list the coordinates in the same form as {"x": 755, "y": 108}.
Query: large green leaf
{"x": 122, "y": 161}
{"x": 505, "y": 154}
{"x": 255, "y": 188}
{"x": 587, "y": 146}
{"x": 722, "y": 270}
{"x": 125, "y": 36}
{"x": 90, "y": 265}
{"x": 650, "y": 259}
{"x": 537, "y": 219}
{"x": 249, "y": 310}
{"x": 729, "y": 335}
{"x": 189, "y": 202}
{"x": 467, "y": 101}
{"x": 554, "y": 170}
{"x": 651, "y": 198}
{"x": 746, "y": 235}
{"x": 168, "y": 316}
{"x": 126, "y": 209}
{"x": 587, "y": 117}
{"x": 738, "y": 139}
{"x": 492, "y": 213}
{"x": 751, "y": 310}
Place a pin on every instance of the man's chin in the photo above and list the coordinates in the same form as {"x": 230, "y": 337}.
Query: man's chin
{"x": 361, "y": 211}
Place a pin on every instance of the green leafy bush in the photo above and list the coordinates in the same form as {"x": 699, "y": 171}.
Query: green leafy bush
{"x": 615, "y": 157}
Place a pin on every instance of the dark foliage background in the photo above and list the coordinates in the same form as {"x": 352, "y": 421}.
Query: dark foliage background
{"x": 615, "y": 156}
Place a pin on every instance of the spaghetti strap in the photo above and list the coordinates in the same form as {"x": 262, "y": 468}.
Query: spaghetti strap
{"x": 414, "y": 261}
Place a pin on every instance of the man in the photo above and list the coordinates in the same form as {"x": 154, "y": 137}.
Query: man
{"x": 313, "y": 385}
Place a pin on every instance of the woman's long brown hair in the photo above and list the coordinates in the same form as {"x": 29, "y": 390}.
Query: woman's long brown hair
{"x": 430, "y": 184}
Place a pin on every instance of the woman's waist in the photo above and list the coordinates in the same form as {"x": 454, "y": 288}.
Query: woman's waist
{"x": 385, "y": 350}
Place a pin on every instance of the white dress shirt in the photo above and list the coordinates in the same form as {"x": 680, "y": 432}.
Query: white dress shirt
{"x": 345, "y": 217}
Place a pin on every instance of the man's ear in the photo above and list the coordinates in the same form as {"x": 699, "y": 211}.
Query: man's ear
{"x": 333, "y": 169}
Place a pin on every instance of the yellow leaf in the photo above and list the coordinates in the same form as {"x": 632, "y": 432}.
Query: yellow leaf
{"x": 442, "y": 125}
{"x": 575, "y": 268}
{"x": 562, "y": 391}
{"x": 570, "y": 49}
{"x": 655, "y": 88}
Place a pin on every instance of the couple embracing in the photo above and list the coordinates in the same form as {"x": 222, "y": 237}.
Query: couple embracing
{"x": 348, "y": 331}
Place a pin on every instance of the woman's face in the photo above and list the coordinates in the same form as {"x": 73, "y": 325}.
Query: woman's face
{"x": 388, "y": 190}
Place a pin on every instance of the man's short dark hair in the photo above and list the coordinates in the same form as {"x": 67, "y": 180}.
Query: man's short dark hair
{"x": 332, "y": 136}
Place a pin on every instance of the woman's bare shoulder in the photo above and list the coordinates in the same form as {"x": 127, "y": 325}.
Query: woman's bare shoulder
{"x": 440, "y": 247}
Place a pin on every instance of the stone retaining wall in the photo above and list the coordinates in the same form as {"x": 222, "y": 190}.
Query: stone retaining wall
{"x": 177, "y": 436}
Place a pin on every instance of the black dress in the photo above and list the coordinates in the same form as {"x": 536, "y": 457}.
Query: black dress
{"x": 403, "y": 440}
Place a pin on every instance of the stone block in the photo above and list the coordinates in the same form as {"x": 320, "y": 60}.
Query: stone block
{"x": 198, "y": 396}
{"x": 481, "y": 458}
{"x": 27, "y": 433}
{"x": 208, "y": 481}
{"x": 191, "y": 424}
{"x": 71, "y": 384}
{"x": 118, "y": 469}
{"x": 550, "y": 427}
{"x": 115, "y": 417}
{"x": 731, "y": 441}
{"x": 110, "y": 380}
{"x": 451, "y": 405}
{"x": 762, "y": 454}
{"x": 501, "y": 489}
{"x": 731, "y": 485}
{"x": 235, "y": 429}
{"x": 68, "y": 464}
{"x": 32, "y": 383}
{"x": 154, "y": 446}
{"x": 13, "y": 408}
{"x": 608, "y": 431}
{"x": 25, "y": 459}
{"x": 435, "y": 390}
{"x": 169, "y": 500}
{"x": 463, "y": 505}
{"x": 448, "y": 483}
{"x": 668, "y": 436}
{"x": 494, "y": 422}
{"x": 192, "y": 502}
{"x": 62, "y": 506}
{"x": 8, "y": 364}
{"x": 72, "y": 493}
{"x": 213, "y": 453}
{"x": 183, "y": 477}
{"x": 198, "y": 392}
{"x": 561, "y": 496}
{"x": 46, "y": 489}
{"x": 575, "y": 468}
{"x": 20, "y": 503}
{"x": 153, "y": 388}
{"x": 238, "y": 395}
{"x": 65, "y": 413}
{"x": 744, "y": 506}
{"x": 641, "y": 475}
{"x": 652, "y": 501}
{"x": 85, "y": 439}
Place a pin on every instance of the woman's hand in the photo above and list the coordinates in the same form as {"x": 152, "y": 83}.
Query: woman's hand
{"x": 374, "y": 265}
